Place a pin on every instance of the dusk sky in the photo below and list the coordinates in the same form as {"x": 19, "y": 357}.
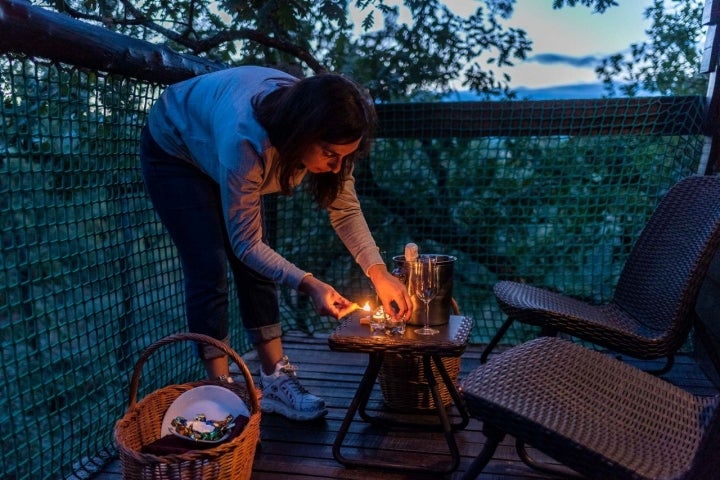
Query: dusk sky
{"x": 569, "y": 42}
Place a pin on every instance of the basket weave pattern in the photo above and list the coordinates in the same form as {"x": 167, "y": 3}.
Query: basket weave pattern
{"x": 142, "y": 422}
{"x": 403, "y": 384}
{"x": 602, "y": 417}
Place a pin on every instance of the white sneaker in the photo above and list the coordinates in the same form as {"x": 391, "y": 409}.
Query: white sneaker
{"x": 283, "y": 394}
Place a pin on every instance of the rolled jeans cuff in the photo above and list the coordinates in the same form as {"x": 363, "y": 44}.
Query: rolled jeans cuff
{"x": 209, "y": 352}
{"x": 264, "y": 334}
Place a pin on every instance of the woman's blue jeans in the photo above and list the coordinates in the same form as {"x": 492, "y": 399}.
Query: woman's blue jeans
{"x": 188, "y": 203}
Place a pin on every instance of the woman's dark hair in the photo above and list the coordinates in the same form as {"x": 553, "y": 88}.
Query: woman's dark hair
{"x": 326, "y": 108}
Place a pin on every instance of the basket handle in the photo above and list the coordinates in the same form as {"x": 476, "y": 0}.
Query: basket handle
{"x": 199, "y": 338}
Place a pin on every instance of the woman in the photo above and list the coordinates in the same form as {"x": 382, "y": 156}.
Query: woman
{"x": 213, "y": 145}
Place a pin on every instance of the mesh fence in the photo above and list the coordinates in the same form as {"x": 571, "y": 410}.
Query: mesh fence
{"x": 549, "y": 193}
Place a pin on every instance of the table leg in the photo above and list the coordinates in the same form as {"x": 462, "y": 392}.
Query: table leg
{"x": 368, "y": 383}
{"x": 360, "y": 400}
{"x": 454, "y": 394}
{"x": 447, "y": 428}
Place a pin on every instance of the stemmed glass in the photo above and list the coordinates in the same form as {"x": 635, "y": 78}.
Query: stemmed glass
{"x": 423, "y": 282}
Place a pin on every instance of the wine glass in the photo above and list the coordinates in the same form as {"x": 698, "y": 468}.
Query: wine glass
{"x": 424, "y": 283}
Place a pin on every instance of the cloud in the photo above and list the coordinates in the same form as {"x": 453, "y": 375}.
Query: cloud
{"x": 588, "y": 61}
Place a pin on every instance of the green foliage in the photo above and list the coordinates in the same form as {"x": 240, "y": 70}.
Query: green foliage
{"x": 556, "y": 212}
{"x": 669, "y": 62}
{"x": 430, "y": 50}
{"x": 395, "y": 58}
{"x": 402, "y": 59}
{"x": 82, "y": 253}
{"x": 598, "y": 5}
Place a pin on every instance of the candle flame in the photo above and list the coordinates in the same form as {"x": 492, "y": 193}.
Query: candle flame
{"x": 366, "y": 307}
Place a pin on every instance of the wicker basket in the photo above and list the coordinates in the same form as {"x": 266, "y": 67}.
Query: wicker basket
{"x": 403, "y": 384}
{"x": 141, "y": 425}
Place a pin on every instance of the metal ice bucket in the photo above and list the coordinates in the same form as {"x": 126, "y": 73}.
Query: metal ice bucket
{"x": 441, "y": 305}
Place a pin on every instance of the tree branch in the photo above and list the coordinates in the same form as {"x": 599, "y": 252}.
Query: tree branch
{"x": 207, "y": 44}
{"x": 259, "y": 37}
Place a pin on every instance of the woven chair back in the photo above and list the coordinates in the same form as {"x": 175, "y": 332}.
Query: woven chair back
{"x": 662, "y": 277}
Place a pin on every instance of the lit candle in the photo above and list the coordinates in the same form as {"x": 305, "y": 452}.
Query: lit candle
{"x": 365, "y": 319}
{"x": 379, "y": 320}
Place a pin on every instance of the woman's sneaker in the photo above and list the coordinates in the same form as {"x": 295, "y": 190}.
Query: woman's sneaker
{"x": 283, "y": 394}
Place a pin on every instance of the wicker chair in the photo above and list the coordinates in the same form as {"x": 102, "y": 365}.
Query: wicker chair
{"x": 653, "y": 305}
{"x": 595, "y": 415}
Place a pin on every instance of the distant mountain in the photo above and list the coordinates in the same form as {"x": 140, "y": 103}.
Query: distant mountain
{"x": 559, "y": 92}
{"x": 562, "y": 92}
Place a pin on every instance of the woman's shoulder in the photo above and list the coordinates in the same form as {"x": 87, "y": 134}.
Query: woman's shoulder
{"x": 251, "y": 74}
{"x": 239, "y": 82}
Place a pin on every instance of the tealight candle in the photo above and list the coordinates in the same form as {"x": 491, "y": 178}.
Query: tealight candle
{"x": 377, "y": 323}
{"x": 365, "y": 319}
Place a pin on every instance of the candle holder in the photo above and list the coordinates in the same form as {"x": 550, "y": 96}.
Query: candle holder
{"x": 378, "y": 320}
{"x": 381, "y": 322}
{"x": 395, "y": 326}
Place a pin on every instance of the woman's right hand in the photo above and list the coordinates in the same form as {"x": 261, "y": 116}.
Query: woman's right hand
{"x": 393, "y": 293}
{"x": 326, "y": 299}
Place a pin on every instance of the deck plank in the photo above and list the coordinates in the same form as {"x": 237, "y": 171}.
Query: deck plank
{"x": 303, "y": 450}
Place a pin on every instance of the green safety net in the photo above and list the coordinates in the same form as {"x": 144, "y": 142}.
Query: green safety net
{"x": 89, "y": 278}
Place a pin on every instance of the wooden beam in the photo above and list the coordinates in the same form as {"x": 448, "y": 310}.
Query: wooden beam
{"x": 38, "y": 32}
{"x": 710, "y": 50}
{"x": 711, "y": 12}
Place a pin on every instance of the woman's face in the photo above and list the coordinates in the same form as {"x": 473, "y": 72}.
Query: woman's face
{"x": 327, "y": 157}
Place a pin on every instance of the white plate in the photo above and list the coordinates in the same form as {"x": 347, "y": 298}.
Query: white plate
{"x": 214, "y": 401}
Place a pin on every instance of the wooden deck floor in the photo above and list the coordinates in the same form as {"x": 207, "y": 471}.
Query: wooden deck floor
{"x": 295, "y": 450}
